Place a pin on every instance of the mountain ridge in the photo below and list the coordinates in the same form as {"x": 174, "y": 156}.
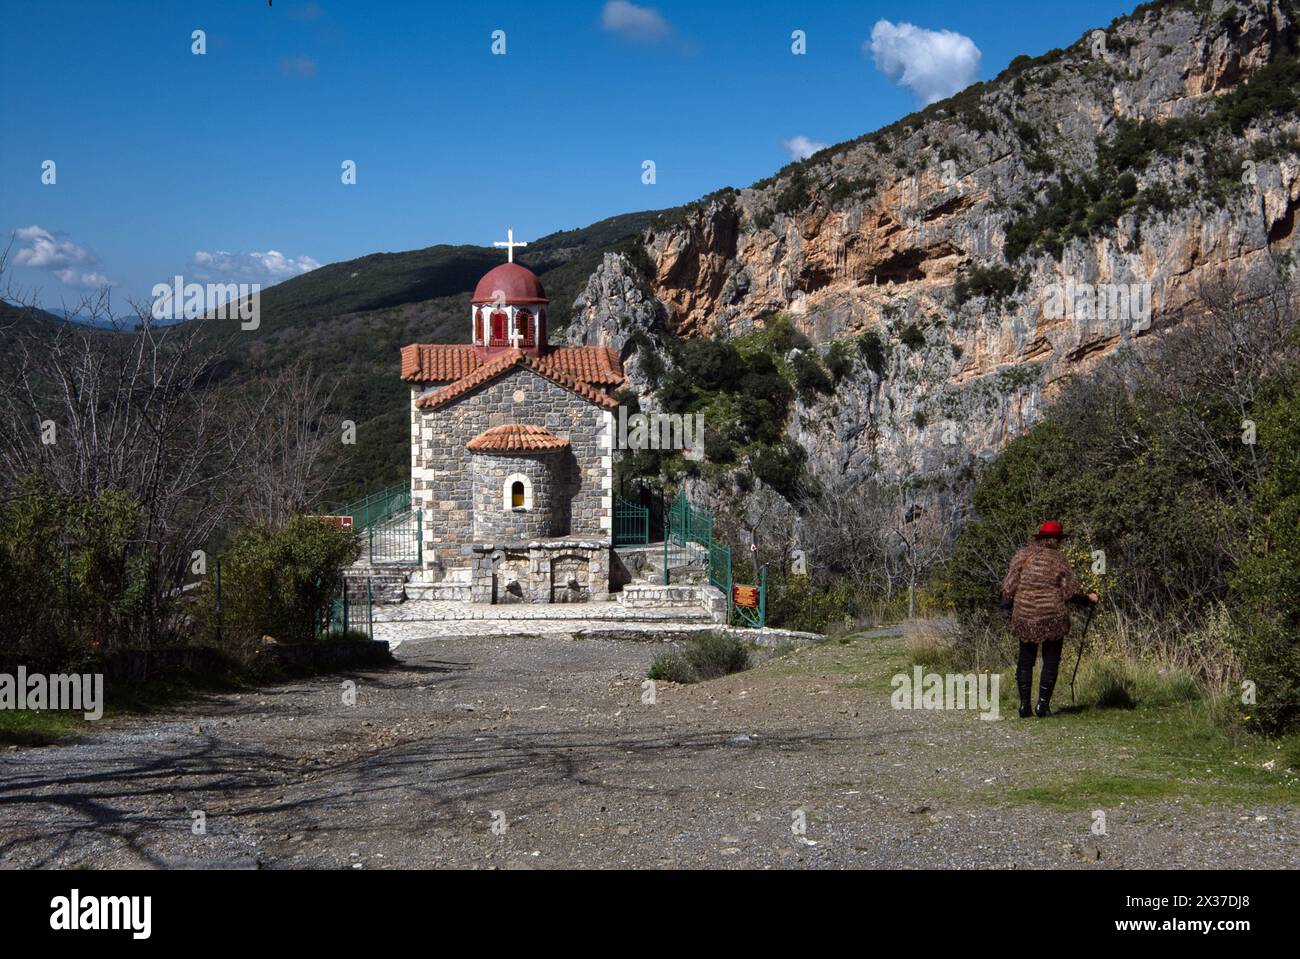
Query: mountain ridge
{"x": 1165, "y": 154}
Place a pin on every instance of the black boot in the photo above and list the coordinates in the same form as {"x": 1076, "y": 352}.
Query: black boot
{"x": 1025, "y": 676}
{"x": 1047, "y": 681}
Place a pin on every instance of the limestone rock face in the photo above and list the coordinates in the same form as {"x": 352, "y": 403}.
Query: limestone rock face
{"x": 615, "y": 307}
{"x": 875, "y": 234}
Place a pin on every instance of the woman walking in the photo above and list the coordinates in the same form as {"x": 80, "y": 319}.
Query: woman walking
{"x": 1040, "y": 585}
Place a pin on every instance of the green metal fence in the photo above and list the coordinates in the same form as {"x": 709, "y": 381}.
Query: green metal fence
{"x": 398, "y": 540}
{"x": 372, "y": 509}
{"x": 631, "y": 523}
{"x": 689, "y": 539}
{"x": 343, "y": 614}
{"x": 689, "y": 524}
{"x": 678, "y": 549}
{"x": 756, "y": 616}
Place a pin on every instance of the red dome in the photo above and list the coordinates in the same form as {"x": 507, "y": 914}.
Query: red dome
{"x": 516, "y": 284}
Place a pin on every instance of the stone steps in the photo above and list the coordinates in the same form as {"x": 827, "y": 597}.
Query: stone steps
{"x": 656, "y": 594}
{"x": 686, "y": 596}
{"x": 446, "y": 591}
{"x": 507, "y": 614}
{"x": 387, "y": 586}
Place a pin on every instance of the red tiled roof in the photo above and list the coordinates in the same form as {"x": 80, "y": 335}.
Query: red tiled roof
{"x": 514, "y": 438}
{"x": 446, "y": 363}
{"x": 499, "y": 364}
{"x": 591, "y": 364}
{"x": 438, "y": 363}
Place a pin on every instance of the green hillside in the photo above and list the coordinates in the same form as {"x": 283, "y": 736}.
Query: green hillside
{"x": 351, "y": 319}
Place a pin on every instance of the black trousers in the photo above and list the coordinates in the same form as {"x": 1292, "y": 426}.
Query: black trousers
{"x": 1025, "y": 668}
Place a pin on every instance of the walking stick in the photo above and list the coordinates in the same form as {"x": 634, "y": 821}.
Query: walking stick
{"x": 1082, "y": 637}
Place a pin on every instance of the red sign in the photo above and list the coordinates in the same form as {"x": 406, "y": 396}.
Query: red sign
{"x": 746, "y": 596}
{"x": 342, "y": 522}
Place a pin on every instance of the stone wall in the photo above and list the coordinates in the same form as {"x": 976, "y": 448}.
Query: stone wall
{"x": 442, "y": 471}
{"x": 541, "y": 474}
{"x": 556, "y": 571}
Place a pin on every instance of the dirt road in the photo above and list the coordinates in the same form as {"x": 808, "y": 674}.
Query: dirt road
{"x": 539, "y": 753}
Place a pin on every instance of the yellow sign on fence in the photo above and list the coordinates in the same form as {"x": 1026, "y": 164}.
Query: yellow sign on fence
{"x": 746, "y": 596}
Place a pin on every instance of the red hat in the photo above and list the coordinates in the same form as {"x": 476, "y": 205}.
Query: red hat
{"x": 1050, "y": 530}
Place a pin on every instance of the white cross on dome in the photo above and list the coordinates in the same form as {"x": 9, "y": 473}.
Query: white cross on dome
{"x": 510, "y": 244}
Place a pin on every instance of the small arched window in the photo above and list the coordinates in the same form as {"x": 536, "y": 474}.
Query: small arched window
{"x": 524, "y": 327}
{"x": 498, "y": 328}
{"x": 478, "y": 325}
{"x": 517, "y": 492}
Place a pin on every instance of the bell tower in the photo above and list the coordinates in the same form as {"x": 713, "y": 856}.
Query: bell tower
{"x": 508, "y": 310}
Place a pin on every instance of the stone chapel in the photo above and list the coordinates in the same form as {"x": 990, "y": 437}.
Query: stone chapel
{"x": 512, "y": 451}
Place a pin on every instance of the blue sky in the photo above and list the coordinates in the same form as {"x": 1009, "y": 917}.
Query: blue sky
{"x": 164, "y": 156}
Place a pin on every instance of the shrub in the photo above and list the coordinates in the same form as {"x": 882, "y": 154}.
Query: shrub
{"x": 671, "y": 668}
{"x": 716, "y": 654}
{"x": 796, "y": 602}
{"x": 913, "y": 337}
{"x": 780, "y": 466}
{"x": 701, "y": 658}
{"x": 994, "y": 282}
{"x": 839, "y": 361}
{"x": 1268, "y": 579}
{"x": 872, "y": 347}
{"x": 77, "y": 605}
{"x": 278, "y": 582}
{"x": 796, "y": 195}
{"x": 809, "y": 377}
{"x": 847, "y": 188}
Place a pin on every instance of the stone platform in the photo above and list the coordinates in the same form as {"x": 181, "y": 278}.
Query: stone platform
{"x": 438, "y": 619}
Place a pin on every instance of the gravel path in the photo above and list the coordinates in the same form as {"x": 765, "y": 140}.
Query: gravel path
{"x": 549, "y": 738}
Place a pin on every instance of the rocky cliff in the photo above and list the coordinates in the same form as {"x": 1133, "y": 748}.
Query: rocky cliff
{"x": 997, "y": 241}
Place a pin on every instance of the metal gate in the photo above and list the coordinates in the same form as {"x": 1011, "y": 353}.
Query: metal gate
{"x": 398, "y": 540}
{"x": 685, "y": 527}
{"x": 755, "y": 615}
{"x": 631, "y": 523}
{"x": 342, "y": 616}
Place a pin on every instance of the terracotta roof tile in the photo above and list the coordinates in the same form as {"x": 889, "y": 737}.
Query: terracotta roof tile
{"x": 446, "y": 363}
{"x": 489, "y": 370}
{"x": 516, "y": 438}
{"x": 438, "y": 363}
{"x": 500, "y": 364}
{"x": 591, "y": 364}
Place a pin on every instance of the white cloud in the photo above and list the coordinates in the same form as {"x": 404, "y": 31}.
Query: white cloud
{"x": 933, "y": 64}
{"x": 303, "y": 67}
{"x": 53, "y": 252}
{"x": 801, "y": 147}
{"x": 269, "y": 267}
{"x": 633, "y": 22}
{"x": 92, "y": 280}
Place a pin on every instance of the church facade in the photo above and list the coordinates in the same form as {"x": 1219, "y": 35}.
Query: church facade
{"x": 512, "y": 451}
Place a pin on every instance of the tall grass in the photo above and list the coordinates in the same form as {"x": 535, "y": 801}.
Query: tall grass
{"x": 1126, "y": 661}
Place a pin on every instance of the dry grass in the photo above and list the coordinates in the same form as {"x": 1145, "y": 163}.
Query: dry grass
{"x": 1126, "y": 659}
